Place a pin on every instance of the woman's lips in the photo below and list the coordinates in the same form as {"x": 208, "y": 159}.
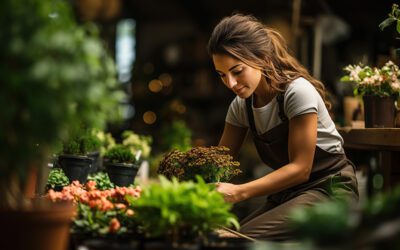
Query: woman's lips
{"x": 240, "y": 90}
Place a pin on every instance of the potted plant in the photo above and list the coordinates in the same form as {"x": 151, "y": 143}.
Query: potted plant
{"x": 79, "y": 154}
{"x": 55, "y": 74}
{"x": 213, "y": 164}
{"x": 57, "y": 179}
{"x": 102, "y": 214}
{"x": 121, "y": 165}
{"x": 180, "y": 212}
{"x": 379, "y": 89}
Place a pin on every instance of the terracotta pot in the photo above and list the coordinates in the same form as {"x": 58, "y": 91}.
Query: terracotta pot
{"x": 45, "y": 226}
{"x": 379, "y": 112}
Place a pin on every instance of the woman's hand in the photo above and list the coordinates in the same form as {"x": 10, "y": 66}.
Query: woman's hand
{"x": 232, "y": 193}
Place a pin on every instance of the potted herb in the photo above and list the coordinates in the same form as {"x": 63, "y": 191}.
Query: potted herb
{"x": 181, "y": 212}
{"x": 213, "y": 164}
{"x": 121, "y": 165}
{"x": 55, "y": 74}
{"x": 75, "y": 158}
{"x": 57, "y": 179}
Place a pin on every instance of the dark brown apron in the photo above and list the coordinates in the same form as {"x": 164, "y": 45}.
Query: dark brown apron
{"x": 272, "y": 148}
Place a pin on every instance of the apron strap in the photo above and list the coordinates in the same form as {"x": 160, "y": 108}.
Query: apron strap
{"x": 280, "y": 98}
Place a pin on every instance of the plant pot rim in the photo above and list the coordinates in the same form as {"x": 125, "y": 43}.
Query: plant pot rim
{"x": 126, "y": 165}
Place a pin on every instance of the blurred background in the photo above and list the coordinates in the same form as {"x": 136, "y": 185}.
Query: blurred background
{"x": 160, "y": 50}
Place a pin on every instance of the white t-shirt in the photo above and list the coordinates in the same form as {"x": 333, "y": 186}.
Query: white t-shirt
{"x": 301, "y": 97}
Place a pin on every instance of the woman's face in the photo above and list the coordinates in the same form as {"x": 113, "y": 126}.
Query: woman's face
{"x": 242, "y": 79}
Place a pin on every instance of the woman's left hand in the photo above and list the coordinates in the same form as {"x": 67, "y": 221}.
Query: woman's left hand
{"x": 232, "y": 193}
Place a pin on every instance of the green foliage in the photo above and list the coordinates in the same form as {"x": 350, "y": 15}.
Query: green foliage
{"x": 393, "y": 17}
{"x": 326, "y": 222}
{"x": 81, "y": 143}
{"x": 119, "y": 154}
{"x": 102, "y": 180}
{"x": 335, "y": 223}
{"x": 106, "y": 139}
{"x": 55, "y": 74}
{"x": 57, "y": 178}
{"x": 176, "y": 136}
{"x": 136, "y": 143}
{"x": 213, "y": 164}
{"x": 173, "y": 209}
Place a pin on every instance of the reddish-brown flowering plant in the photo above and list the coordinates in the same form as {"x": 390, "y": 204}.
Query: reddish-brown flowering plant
{"x": 213, "y": 164}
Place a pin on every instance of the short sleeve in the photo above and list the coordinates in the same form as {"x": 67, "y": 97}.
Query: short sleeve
{"x": 301, "y": 97}
{"x": 237, "y": 113}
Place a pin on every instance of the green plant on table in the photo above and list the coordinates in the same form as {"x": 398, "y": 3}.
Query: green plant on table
{"x": 119, "y": 154}
{"x": 179, "y": 210}
{"x": 57, "y": 178}
{"x": 81, "y": 142}
{"x": 213, "y": 164}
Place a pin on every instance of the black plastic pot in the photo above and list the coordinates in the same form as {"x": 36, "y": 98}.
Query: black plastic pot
{"x": 121, "y": 174}
{"x": 75, "y": 167}
{"x": 95, "y": 156}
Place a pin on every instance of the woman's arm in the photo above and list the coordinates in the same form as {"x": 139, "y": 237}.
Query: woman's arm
{"x": 233, "y": 138}
{"x": 302, "y": 143}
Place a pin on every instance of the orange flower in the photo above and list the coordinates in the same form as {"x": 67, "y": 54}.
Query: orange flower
{"x": 114, "y": 225}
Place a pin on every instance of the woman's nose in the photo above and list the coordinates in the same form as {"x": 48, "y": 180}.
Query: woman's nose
{"x": 230, "y": 82}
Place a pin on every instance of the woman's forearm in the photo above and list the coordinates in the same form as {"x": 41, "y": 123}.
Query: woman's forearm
{"x": 287, "y": 176}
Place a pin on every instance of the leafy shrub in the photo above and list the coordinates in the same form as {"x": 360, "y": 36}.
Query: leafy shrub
{"x": 57, "y": 178}
{"x": 213, "y": 164}
{"x": 82, "y": 143}
{"x": 119, "y": 154}
{"x": 175, "y": 209}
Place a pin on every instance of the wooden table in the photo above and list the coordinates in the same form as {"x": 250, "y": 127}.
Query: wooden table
{"x": 384, "y": 141}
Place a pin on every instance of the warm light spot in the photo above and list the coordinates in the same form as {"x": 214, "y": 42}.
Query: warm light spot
{"x": 155, "y": 85}
{"x": 166, "y": 79}
{"x": 149, "y": 117}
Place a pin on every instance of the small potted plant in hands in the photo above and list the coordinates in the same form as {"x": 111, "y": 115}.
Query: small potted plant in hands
{"x": 121, "y": 165}
{"x": 213, "y": 164}
{"x": 57, "y": 180}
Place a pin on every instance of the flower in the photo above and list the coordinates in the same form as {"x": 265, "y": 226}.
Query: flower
{"x": 99, "y": 211}
{"x": 212, "y": 163}
{"x": 374, "y": 81}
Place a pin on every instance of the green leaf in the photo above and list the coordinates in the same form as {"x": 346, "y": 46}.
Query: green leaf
{"x": 398, "y": 26}
{"x": 388, "y": 21}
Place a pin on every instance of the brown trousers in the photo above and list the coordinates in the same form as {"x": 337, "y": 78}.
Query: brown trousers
{"x": 271, "y": 221}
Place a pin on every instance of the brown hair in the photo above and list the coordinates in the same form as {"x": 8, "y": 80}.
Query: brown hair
{"x": 248, "y": 40}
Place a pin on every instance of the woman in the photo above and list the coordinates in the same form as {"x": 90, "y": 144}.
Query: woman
{"x": 286, "y": 111}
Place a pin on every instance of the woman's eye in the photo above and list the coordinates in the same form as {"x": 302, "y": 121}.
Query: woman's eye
{"x": 237, "y": 72}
